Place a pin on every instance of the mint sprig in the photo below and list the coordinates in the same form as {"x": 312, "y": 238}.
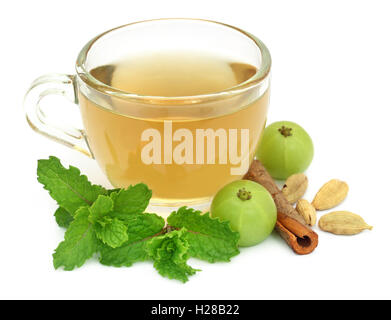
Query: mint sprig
{"x": 113, "y": 224}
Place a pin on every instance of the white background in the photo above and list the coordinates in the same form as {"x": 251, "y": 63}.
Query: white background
{"x": 331, "y": 73}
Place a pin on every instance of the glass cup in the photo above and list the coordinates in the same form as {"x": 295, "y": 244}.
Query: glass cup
{"x": 185, "y": 148}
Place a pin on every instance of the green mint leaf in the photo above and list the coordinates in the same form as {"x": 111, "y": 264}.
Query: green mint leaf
{"x": 102, "y": 206}
{"x": 209, "y": 239}
{"x": 63, "y": 217}
{"x": 79, "y": 245}
{"x": 141, "y": 227}
{"x": 130, "y": 201}
{"x": 68, "y": 187}
{"x": 170, "y": 254}
{"x": 144, "y": 225}
{"x": 112, "y": 232}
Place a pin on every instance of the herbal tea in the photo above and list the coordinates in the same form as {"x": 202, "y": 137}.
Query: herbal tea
{"x": 182, "y": 156}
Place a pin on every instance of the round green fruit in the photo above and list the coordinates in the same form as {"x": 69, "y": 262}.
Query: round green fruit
{"x": 285, "y": 149}
{"x": 249, "y": 208}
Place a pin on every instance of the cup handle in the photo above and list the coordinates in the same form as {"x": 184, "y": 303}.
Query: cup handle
{"x": 54, "y": 84}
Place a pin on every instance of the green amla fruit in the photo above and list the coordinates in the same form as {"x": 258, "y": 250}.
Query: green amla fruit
{"x": 285, "y": 149}
{"x": 249, "y": 208}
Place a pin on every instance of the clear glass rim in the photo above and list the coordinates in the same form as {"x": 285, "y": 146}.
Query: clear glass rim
{"x": 257, "y": 78}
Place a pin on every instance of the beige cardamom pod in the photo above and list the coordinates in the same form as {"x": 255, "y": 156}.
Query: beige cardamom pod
{"x": 307, "y": 211}
{"x": 330, "y": 195}
{"x": 295, "y": 187}
{"x": 343, "y": 222}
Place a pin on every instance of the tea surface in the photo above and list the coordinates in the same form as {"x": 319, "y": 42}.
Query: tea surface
{"x": 173, "y": 75}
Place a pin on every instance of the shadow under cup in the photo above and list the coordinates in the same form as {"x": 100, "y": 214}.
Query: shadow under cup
{"x": 185, "y": 148}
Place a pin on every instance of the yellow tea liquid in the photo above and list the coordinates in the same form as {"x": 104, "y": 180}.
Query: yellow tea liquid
{"x": 115, "y": 138}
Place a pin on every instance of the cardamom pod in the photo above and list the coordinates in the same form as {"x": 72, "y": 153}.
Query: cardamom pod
{"x": 343, "y": 222}
{"x": 295, "y": 187}
{"x": 330, "y": 195}
{"x": 307, "y": 211}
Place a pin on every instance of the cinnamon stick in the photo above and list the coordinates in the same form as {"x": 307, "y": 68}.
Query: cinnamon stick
{"x": 290, "y": 224}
